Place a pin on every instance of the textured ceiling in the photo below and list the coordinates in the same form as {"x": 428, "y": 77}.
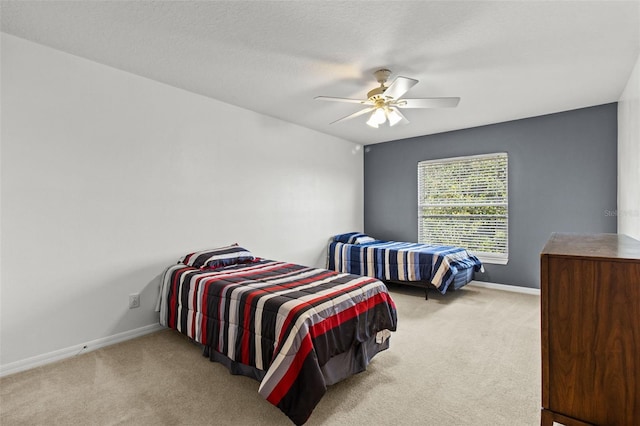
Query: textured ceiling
{"x": 505, "y": 60}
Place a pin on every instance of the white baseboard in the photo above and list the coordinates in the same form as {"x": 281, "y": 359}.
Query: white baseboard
{"x": 60, "y": 354}
{"x": 504, "y": 287}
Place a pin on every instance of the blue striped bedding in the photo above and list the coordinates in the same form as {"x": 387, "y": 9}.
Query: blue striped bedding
{"x": 360, "y": 254}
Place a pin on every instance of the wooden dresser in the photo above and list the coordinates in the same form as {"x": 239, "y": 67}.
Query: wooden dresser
{"x": 590, "y": 302}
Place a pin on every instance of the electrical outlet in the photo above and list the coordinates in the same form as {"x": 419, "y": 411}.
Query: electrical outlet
{"x": 134, "y": 300}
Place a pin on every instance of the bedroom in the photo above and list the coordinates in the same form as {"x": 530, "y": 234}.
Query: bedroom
{"x": 101, "y": 168}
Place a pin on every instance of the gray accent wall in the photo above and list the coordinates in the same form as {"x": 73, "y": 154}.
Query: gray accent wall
{"x": 562, "y": 178}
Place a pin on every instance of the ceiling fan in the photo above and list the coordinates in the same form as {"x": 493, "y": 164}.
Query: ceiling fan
{"x": 384, "y": 102}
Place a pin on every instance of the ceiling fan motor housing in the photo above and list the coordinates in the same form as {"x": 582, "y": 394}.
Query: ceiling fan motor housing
{"x": 381, "y": 76}
{"x": 376, "y": 93}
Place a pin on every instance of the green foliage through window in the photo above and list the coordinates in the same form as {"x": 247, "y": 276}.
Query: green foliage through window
{"x": 464, "y": 202}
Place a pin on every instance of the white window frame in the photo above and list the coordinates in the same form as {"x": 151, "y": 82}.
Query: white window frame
{"x": 500, "y": 252}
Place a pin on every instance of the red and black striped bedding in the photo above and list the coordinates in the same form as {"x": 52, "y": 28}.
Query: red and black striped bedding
{"x": 284, "y": 319}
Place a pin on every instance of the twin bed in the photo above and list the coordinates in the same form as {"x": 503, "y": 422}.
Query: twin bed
{"x": 294, "y": 328}
{"x": 425, "y": 265}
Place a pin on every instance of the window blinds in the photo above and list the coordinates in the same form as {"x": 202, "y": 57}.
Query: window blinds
{"x": 463, "y": 202}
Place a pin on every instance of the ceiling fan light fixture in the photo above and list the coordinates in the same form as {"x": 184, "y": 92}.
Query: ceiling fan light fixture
{"x": 372, "y": 121}
{"x": 393, "y": 116}
{"x": 379, "y": 115}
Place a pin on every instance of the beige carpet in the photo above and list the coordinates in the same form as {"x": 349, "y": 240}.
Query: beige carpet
{"x": 471, "y": 357}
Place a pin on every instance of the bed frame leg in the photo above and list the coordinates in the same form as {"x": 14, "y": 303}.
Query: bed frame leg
{"x": 426, "y": 293}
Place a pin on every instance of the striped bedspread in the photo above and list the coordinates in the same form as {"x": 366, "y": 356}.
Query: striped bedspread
{"x": 401, "y": 261}
{"x": 285, "y": 319}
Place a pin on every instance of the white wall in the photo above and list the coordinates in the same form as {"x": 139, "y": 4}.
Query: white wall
{"x": 629, "y": 156}
{"x": 108, "y": 177}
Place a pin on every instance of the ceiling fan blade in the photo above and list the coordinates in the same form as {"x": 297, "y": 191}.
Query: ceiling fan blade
{"x": 399, "y": 87}
{"x": 428, "y": 103}
{"x": 403, "y": 118}
{"x": 351, "y": 101}
{"x": 355, "y": 114}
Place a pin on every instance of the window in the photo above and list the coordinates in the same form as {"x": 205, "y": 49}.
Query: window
{"x": 463, "y": 202}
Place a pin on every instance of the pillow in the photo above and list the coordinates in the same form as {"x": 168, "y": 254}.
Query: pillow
{"x": 364, "y": 239}
{"x": 353, "y": 238}
{"x": 344, "y": 238}
{"x": 218, "y": 257}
